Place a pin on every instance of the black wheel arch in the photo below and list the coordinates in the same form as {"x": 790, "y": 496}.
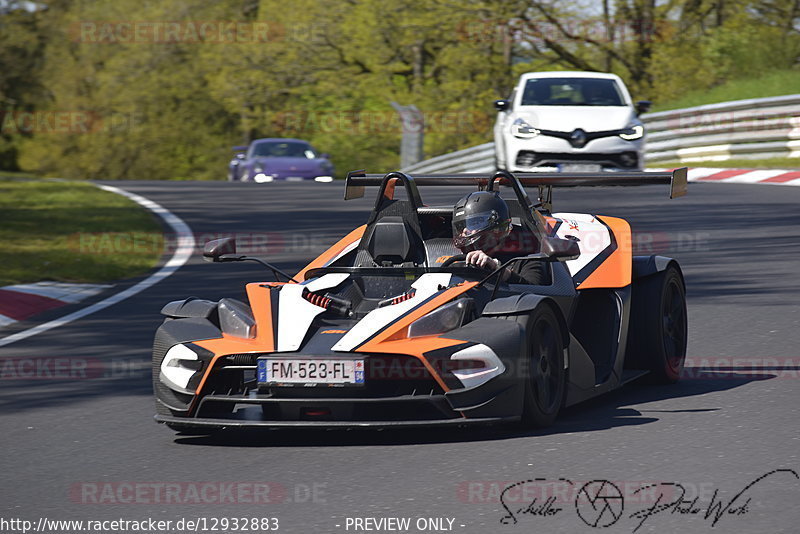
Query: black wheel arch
{"x": 644, "y": 266}
{"x": 525, "y": 303}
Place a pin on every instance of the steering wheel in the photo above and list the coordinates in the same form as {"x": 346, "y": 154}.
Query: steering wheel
{"x": 461, "y": 257}
{"x": 452, "y": 259}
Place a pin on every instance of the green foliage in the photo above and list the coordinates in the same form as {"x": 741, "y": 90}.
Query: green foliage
{"x": 329, "y": 71}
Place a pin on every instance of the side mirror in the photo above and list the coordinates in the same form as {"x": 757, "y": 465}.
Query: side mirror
{"x": 562, "y": 249}
{"x": 643, "y": 106}
{"x": 502, "y": 105}
{"x": 216, "y": 248}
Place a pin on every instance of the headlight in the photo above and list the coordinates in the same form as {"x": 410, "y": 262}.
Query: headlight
{"x": 235, "y": 319}
{"x": 441, "y": 320}
{"x": 633, "y": 133}
{"x": 520, "y": 128}
{"x": 179, "y": 367}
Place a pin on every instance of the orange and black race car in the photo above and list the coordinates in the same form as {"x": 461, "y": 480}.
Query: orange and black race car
{"x": 390, "y": 327}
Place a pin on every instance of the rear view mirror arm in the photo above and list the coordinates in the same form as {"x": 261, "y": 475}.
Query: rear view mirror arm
{"x": 275, "y": 270}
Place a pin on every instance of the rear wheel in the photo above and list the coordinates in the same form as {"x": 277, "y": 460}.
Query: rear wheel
{"x": 542, "y": 367}
{"x": 659, "y": 327}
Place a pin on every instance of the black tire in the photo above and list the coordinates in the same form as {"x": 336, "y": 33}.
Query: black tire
{"x": 658, "y": 328}
{"x": 542, "y": 367}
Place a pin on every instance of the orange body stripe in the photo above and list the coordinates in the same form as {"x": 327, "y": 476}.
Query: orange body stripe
{"x": 615, "y": 271}
{"x": 551, "y": 223}
{"x": 261, "y": 304}
{"x": 393, "y": 340}
{"x": 333, "y": 251}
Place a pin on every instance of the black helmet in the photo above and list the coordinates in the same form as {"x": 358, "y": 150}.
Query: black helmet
{"x": 481, "y": 220}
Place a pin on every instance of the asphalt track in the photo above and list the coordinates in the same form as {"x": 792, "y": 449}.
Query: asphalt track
{"x": 733, "y": 419}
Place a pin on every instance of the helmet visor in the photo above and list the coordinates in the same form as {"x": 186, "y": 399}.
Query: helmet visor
{"x": 474, "y": 224}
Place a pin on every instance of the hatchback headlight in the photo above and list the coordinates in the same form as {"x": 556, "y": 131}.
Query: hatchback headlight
{"x": 520, "y": 128}
{"x": 633, "y": 133}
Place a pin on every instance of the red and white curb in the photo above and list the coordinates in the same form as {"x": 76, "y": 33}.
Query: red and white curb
{"x": 21, "y": 301}
{"x": 742, "y": 176}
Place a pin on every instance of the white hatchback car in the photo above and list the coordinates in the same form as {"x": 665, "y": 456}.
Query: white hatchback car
{"x": 569, "y": 121}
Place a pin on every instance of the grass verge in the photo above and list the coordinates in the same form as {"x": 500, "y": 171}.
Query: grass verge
{"x": 777, "y": 83}
{"x": 790, "y": 164}
{"x": 72, "y": 232}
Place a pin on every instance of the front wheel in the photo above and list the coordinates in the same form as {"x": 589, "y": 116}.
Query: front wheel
{"x": 659, "y": 327}
{"x": 542, "y": 367}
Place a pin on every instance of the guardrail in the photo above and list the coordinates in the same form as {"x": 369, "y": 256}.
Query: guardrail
{"x": 478, "y": 159}
{"x": 745, "y": 129}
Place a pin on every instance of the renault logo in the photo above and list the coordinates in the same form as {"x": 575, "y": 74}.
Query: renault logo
{"x": 578, "y": 138}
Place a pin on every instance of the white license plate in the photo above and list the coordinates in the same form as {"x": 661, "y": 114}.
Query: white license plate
{"x": 579, "y": 167}
{"x": 273, "y": 371}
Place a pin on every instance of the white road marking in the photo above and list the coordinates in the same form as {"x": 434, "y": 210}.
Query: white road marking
{"x": 183, "y": 251}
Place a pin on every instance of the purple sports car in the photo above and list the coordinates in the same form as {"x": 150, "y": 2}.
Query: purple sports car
{"x": 266, "y": 160}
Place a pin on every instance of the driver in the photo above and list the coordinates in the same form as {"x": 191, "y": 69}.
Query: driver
{"x": 481, "y": 223}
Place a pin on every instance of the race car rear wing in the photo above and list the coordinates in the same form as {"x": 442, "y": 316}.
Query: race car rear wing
{"x": 677, "y": 179}
{"x": 531, "y": 215}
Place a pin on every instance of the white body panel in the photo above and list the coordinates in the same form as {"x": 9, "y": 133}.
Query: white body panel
{"x": 427, "y": 285}
{"x": 594, "y": 237}
{"x": 295, "y": 314}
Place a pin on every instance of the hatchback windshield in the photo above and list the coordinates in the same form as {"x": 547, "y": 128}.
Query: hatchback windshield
{"x": 572, "y": 92}
{"x": 283, "y": 149}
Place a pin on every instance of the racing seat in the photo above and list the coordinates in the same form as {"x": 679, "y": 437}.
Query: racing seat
{"x": 393, "y": 236}
{"x": 390, "y": 241}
